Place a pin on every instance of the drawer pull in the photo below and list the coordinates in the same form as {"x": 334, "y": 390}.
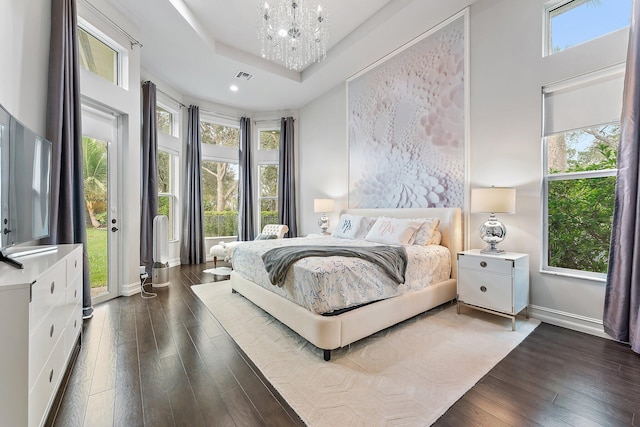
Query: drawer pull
{"x": 53, "y": 287}
{"x": 483, "y": 264}
{"x": 51, "y": 376}
{"x": 483, "y": 288}
{"x": 75, "y": 293}
{"x": 75, "y": 324}
{"x": 51, "y": 331}
{"x": 75, "y": 264}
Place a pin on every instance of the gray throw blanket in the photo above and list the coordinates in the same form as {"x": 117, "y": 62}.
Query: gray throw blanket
{"x": 392, "y": 259}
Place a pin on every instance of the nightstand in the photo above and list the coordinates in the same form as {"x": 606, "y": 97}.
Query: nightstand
{"x": 497, "y": 284}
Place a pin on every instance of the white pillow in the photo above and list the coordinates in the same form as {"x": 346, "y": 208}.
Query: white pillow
{"x": 365, "y": 226}
{"x": 426, "y": 233}
{"x": 348, "y": 226}
{"x": 395, "y": 231}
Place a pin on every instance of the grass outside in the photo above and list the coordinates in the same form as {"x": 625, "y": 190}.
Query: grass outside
{"x": 97, "y": 249}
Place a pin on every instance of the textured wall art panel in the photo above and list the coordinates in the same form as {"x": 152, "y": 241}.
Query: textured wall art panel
{"x": 407, "y": 125}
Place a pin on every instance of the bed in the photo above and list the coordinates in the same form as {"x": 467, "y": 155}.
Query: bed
{"x": 332, "y": 332}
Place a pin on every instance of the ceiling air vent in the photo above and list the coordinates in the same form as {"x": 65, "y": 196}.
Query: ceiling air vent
{"x": 244, "y": 76}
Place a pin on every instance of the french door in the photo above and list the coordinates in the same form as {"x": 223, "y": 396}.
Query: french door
{"x": 100, "y": 130}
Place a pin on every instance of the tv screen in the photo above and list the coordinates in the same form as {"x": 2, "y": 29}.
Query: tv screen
{"x": 25, "y": 170}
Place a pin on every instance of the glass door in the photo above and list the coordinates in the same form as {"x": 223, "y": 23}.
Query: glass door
{"x": 100, "y": 159}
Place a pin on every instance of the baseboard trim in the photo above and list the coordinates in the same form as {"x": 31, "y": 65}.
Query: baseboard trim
{"x": 572, "y": 321}
{"x": 131, "y": 289}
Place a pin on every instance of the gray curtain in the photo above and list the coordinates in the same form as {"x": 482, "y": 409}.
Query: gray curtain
{"x": 287, "y": 178}
{"x": 246, "y": 226}
{"x": 622, "y": 292}
{"x": 192, "y": 247}
{"x": 149, "y": 174}
{"x": 64, "y": 130}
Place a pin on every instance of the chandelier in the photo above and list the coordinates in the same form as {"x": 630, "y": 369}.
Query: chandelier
{"x": 292, "y": 33}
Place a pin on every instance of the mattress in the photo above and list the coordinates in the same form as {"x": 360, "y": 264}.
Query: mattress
{"x": 326, "y": 284}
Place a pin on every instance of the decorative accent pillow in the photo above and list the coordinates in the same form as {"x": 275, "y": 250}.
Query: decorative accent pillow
{"x": 426, "y": 233}
{"x": 365, "y": 226}
{"x": 348, "y": 226}
{"x": 395, "y": 231}
{"x": 266, "y": 237}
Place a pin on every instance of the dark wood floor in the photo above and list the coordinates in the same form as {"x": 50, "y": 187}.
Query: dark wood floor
{"x": 166, "y": 361}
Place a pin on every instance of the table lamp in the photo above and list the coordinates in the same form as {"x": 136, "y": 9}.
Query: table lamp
{"x": 493, "y": 200}
{"x": 323, "y": 206}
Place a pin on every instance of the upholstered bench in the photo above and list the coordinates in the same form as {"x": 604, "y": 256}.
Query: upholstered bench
{"x": 225, "y": 250}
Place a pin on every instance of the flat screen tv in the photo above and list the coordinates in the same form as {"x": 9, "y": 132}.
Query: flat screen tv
{"x": 25, "y": 189}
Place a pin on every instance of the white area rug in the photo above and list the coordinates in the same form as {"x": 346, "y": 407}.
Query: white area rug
{"x": 409, "y": 374}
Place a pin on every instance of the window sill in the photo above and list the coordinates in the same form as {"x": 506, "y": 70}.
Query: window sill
{"x": 600, "y": 279}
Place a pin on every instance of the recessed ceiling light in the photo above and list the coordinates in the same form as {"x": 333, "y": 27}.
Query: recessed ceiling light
{"x": 233, "y": 88}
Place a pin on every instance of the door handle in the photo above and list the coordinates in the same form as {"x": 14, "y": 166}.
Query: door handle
{"x": 114, "y": 229}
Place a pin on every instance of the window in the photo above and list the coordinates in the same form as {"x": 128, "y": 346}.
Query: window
{"x": 267, "y": 158}
{"x": 220, "y": 198}
{"x": 98, "y": 56}
{"x": 165, "y": 119}
{"x": 581, "y": 145}
{"x": 577, "y": 21}
{"x": 217, "y": 134}
{"x": 166, "y": 184}
{"x": 220, "y": 175}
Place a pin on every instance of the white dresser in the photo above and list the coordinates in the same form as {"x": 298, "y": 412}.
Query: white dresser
{"x": 40, "y": 323}
{"x": 498, "y": 283}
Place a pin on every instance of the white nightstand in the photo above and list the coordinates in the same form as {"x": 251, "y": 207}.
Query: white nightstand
{"x": 497, "y": 284}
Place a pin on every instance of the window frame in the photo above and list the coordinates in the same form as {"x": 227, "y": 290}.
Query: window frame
{"x": 551, "y": 6}
{"x": 265, "y": 158}
{"x": 219, "y": 153}
{"x": 122, "y": 54}
{"x": 174, "y": 161}
{"x": 581, "y": 83}
{"x": 172, "y": 144}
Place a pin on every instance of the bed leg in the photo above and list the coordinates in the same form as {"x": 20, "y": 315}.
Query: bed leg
{"x": 327, "y": 355}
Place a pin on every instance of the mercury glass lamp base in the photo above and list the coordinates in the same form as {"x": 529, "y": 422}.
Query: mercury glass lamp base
{"x": 491, "y": 249}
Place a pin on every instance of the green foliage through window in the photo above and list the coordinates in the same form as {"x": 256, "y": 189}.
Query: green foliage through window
{"x": 581, "y": 185}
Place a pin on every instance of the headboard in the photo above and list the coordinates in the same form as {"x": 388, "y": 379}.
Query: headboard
{"x": 450, "y": 224}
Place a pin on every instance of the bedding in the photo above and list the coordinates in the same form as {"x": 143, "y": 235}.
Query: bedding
{"x": 392, "y": 260}
{"x": 323, "y": 285}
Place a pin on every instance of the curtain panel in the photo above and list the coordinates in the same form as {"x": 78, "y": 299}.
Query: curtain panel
{"x": 149, "y": 174}
{"x": 287, "y": 177}
{"x": 622, "y": 291}
{"x": 246, "y": 224}
{"x": 192, "y": 244}
{"x": 64, "y": 130}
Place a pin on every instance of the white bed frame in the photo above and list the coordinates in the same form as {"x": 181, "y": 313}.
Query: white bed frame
{"x": 332, "y": 332}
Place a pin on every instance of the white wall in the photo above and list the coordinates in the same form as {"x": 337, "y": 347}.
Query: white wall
{"x": 24, "y": 31}
{"x": 507, "y": 74}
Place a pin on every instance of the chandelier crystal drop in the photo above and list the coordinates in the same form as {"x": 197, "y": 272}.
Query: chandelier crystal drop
{"x": 293, "y": 33}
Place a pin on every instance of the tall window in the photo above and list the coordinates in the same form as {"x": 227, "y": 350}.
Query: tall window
{"x": 220, "y": 142}
{"x": 581, "y": 146}
{"x": 100, "y": 55}
{"x": 168, "y": 154}
{"x": 570, "y": 23}
{"x": 166, "y": 184}
{"x": 267, "y": 158}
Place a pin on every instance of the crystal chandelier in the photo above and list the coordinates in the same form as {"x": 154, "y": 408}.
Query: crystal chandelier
{"x": 292, "y": 33}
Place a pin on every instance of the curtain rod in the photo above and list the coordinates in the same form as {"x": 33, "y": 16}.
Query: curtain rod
{"x": 108, "y": 20}
{"x": 217, "y": 113}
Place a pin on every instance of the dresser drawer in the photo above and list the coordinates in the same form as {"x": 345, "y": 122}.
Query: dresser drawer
{"x": 43, "y": 391}
{"x": 74, "y": 265}
{"x": 484, "y": 289}
{"x": 72, "y": 329}
{"x": 493, "y": 265}
{"x": 42, "y": 341}
{"x": 47, "y": 292}
{"x": 73, "y": 296}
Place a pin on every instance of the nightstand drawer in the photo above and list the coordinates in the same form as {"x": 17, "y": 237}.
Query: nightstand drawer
{"x": 488, "y": 290}
{"x": 485, "y": 263}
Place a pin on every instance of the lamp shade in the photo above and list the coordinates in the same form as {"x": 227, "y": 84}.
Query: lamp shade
{"x": 322, "y": 205}
{"x": 493, "y": 200}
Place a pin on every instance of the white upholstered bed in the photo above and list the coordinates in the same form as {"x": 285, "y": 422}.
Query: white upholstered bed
{"x": 332, "y": 332}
